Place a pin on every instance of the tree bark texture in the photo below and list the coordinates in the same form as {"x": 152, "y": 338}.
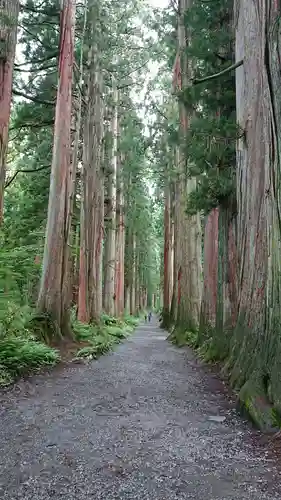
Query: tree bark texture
{"x": 8, "y": 37}
{"x": 190, "y": 268}
{"x": 167, "y": 254}
{"x": 54, "y": 295}
{"x": 137, "y": 280}
{"x": 209, "y": 296}
{"x": 176, "y": 260}
{"x": 133, "y": 277}
{"x": 120, "y": 241}
{"x": 91, "y": 232}
{"x": 110, "y": 227}
{"x": 255, "y": 350}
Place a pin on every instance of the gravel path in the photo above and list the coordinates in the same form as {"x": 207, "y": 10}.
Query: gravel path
{"x": 133, "y": 425}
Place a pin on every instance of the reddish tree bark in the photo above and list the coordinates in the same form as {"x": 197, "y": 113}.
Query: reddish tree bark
{"x": 133, "y": 304}
{"x": 189, "y": 227}
{"x": 167, "y": 254}
{"x": 92, "y": 199}
{"x": 110, "y": 227}
{"x": 120, "y": 242}
{"x": 209, "y": 298}
{"x": 255, "y": 354}
{"x": 8, "y": 36}
{"x": 55, "y": 294}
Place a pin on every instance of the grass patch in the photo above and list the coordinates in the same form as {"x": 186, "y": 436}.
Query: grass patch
{"x": 181, "y": 338}
{"x": 103, "y": 336}
{"x": 19, "y": 356}
{"x": 95, "y": 349}
{"x": 20, "y": 352}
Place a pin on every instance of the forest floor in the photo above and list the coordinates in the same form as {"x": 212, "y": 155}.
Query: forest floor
{"x": 136, "y": 424}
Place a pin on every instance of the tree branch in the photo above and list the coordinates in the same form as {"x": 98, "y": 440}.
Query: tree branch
{"x": 38, "y": 10}
{"x": 196, "y": 81}
{"x": 35, "y": 70}
{"x": 33, "y": 99}
{"x": 27, "y": 171}
{"x": 38, "y": 61}
{"x": 42, "y": 124}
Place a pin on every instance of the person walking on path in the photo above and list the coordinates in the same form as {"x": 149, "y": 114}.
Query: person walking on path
{"x": 149, "y": 316}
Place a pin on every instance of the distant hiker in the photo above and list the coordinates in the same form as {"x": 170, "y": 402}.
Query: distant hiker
{"x": 149, "y": 316}
{"x": 145, "y": 317}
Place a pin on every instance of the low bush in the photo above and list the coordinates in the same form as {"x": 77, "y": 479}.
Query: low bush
{"x": 84, "y": 332}
{"x": 103, "y": 336}
{"x": 20, "y": 352}
{"x": 183, "y": 337}
{"x": 95, "y": 349}
{"x": 19, "y": 356}
{"x": 24, "y": 338}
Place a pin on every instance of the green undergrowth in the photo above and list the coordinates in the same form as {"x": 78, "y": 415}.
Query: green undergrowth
{"x": 20, "y": 350}
{"x": 19, "y": 356}
{"x": 181, "y": 337}
{"x": 25, "y": 349}
{"x": 101, "y": 338}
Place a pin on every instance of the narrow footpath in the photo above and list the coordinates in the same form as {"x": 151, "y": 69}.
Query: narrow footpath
{"x": 140, "y": 423}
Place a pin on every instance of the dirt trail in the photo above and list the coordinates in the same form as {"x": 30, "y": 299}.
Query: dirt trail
{"x": 133, "y": 425}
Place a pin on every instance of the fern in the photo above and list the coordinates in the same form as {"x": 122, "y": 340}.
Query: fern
{"x": 19, "y": 356}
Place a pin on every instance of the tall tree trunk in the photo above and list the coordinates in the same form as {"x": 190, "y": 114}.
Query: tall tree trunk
{"x": 89, "y": 306}
{"x": 133, "y": 277}
{"x": 110, "y": 257}
{"x": 189, "y": 295}
{"x": 209, "y": 297}
{"x": 8, "y": 37}
{"x": 120, "y": 242}
{"x": 74, "y": 164}
{"x": 76, "y": 265}
{"x": 137, "y": 280}
{"x": 167, "y": 255}
{"x": 54, "y": 295}
{"x": 172, "y": 249}
{"x": 219, "y": 302}
{"x": 127, "y": 299}
{"x": 256, "y": 349}
{"x": 100, "y": 219}
{"x": 97, "y": 240}
{"x": 176, "y": 260}
{"x": 83, "y": 307}
{"x": 175, "y": 296}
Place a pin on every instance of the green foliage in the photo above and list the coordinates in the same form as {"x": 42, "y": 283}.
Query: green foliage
{"x": 19, "y": 274}
{"x": 103, "y": 336}
{"x": 213, "y": 132}
{"x": 44, "y": 328}
{"x": 181, "y": 338}
{"x": 209, "y": 145}
{"x": 84, "y": 332}
{"x": 123, "y": 50}
{"x": 127, "y": 322}
{"x": 19, "y": 356}
{"x": 210, "y": 351}
{"x": 212, "y": 190}
{"x": 20, "y": 353}
{"x": 100, "y": 341}
{"x": 117, "y": 332}
{"x": 131, "y": 321}
{"x": 14, "y": 319}
{"x": 94, "y": 350}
